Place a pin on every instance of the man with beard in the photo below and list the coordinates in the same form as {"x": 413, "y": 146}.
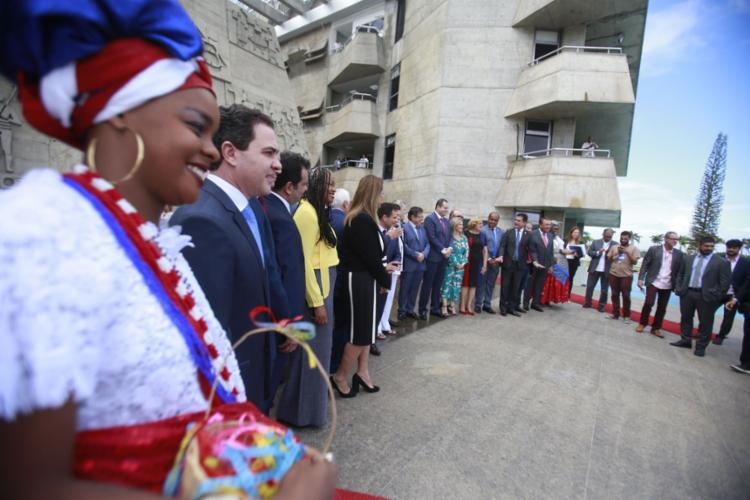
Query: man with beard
{"x": 730, "y": 304}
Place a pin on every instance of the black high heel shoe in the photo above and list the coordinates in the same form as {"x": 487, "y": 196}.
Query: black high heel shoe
{"x": 358, "y": 382}
{"x": 352, "y": 390}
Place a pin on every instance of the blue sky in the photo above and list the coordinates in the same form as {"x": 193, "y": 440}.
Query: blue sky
{"x": 694, "y": 83}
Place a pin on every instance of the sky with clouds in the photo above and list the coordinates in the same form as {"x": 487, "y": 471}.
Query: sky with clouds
{"x": 694, "y": 83}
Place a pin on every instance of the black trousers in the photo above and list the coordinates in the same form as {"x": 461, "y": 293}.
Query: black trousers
{"x": 728, "y": 321}
{"x": 691, "y": 302}
{"x": 535, "y": 286}
{"x": 573, "y": 265}
{"x": 510, "y": 287}
{"x": 603, "y": 279}
{"x": 745, "y": 354}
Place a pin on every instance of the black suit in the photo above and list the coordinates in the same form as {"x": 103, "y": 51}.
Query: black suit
{"x": 542, "y": 254}
{"x": 227, "y": 263}
{"x": 650, "y": 268}
{"x": 704, "y": 299}
{"x": 598, "y": 251}
{"x": 729, "y": 314}
{"x": 512, "y": 268}
{"x": 741, "y": 285}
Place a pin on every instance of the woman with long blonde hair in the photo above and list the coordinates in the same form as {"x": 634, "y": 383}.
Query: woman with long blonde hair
{"x": 363, "y": 261}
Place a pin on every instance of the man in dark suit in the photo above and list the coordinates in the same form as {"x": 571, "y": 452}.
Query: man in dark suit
{"x": 416, "y": 251}
{"x": 541, "y": 248}
{"x": 737, "y": 264}
{"x": 513, "y": 254}
{"x": 439, "y": 236}
{"x": 702, "y": 283}
{"x": 599, "y": 269}
{"x": 341, "y": 312}
{"x": 741, "y": 301}
{"x": 493, "y": 235}
{"x": 658, "y": 275}
{"x": 228, "y": 258}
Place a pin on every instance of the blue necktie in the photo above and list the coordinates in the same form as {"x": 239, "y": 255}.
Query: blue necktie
{"x": 252, "y": 223}
{"x": 518, "y": 241}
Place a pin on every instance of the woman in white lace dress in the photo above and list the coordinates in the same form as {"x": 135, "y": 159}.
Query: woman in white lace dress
{"x": 106, "y": 339}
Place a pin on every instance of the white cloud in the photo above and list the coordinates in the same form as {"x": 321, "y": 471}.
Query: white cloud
{"x": 671, "y": 35}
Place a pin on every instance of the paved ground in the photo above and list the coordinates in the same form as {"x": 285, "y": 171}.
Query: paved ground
{"x": 560, "y": 404}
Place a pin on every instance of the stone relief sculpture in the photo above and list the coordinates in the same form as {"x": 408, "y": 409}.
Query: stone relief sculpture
{"x": 253, "y": 35}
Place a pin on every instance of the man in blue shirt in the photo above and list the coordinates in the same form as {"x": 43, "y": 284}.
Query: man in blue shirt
{"x": 492, "y": 236}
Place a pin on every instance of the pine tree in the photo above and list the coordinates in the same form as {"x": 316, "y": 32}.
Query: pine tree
{"x": 708, "y": 204}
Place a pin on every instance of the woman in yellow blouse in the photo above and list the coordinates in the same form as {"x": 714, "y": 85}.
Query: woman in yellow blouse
{"x": 305, "y": 395}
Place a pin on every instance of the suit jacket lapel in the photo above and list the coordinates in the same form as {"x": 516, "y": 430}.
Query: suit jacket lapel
{"x": 237, "y": 216}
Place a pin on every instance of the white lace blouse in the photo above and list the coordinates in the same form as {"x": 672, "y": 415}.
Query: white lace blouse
{"x": 77, "y": 320}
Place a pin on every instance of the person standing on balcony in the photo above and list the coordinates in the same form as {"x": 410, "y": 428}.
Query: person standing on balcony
{"x": 658, "y": 272}
{"x": 589, "y": 146}
{"x": 364, "y": 162}
{"x": 622, "y": 257}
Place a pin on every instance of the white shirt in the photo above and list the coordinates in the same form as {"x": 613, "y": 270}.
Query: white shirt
{"x": 603, "y": 256}
{"x": 732, "y": 262}
{"x": 79, "y": 321}
{"x": 283, "y": 200}
{"x": 234, "y": 194}
{"x": 663, "y": 280}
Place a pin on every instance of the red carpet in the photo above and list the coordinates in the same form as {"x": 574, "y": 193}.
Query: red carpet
{"x": 353, "y": 495}
{"x": 666, "y": 326}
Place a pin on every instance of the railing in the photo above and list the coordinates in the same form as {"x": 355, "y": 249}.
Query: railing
{"x": 364, "y": 28}
{"x": 351, "y": 97}
{"x": 349, "y": 163}
{"x": 586, "y": 153}
{"x": 577, "y": 49}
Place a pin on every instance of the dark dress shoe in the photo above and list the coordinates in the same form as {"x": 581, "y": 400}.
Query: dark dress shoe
{"x": 586, "y": 306}
{"x": 525, "y": 307}
{"x": 375, "y": 350}
{"x": 700, "y": 352}
{"x": 412, "y": 315}
{"x": 682, "y": 343}
{"x": 477, "y": 311}
{"x": 514, "y": 313}
{"x": 423, "y": 317}
{"x": 537, "y": 308}
{"x": 503, "y": 313}
{"x": 600, "y": 309}
{"x": 522, "y": 311}
{"x": 488, "y": 310}
{"x": 352, "y": 390}
{"x": 718, "y": 340}
{"x": 358, "y": 382}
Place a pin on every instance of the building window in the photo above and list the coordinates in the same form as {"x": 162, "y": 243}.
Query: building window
{"x": 400, "y": 15}
{"x": 545, "y": 42}
{"x": 536, "y": 140}
{"x": 395, "y": 77}
{"x": 390, "y": 153}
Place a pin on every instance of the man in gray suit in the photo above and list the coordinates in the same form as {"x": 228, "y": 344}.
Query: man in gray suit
{"x": 599, "y": 269}
{"x": 541, "y": 248}
{"x": 658, "y": 275}
{"x": 702, "y": 283}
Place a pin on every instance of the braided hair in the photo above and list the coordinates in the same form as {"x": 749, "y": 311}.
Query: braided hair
{"x": 317, "y": 196}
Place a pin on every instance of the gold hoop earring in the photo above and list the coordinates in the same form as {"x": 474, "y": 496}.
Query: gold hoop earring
{"x": 139, "y": 155}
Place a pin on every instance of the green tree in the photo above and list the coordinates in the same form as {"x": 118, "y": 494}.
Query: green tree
{"x": 657, "y": 238}
{"x": 685, "y": 242}
{"x": 708, "y": 204}
{"x": 585, "y": 237}
{"x": 635, "y": 237}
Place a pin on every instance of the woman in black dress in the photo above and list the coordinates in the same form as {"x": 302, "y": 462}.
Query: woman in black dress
{"x": 476, "y": 266}
{"x": 363, "y": 260}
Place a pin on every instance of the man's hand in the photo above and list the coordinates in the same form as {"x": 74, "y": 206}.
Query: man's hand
{"x": 395, "y": 232}
{"x": 392, "y": 267}
{"x": 420, "y": 256}
{"x": 492, "y": 261}
{"x": 640, "y": 284}
{"x": 484, "y": 269}
{"x": 448, "y": 252}
{"x": 287, "y": 346}
{"x": 320, "y": 316}
{"x": 500, "y": 260}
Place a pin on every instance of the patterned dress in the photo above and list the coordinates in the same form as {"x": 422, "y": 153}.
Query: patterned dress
{"x": 454, "y": 271}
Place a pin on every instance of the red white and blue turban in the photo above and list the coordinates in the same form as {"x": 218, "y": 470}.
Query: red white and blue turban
{"x": 82, "y": 62}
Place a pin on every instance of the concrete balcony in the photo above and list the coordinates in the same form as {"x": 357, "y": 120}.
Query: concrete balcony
{"x": 354, "y": 120}
{"x": 586, "y": 186}
{"x": 574, "y": 82}
{"x": 558, "y": 14}
{"x": 363, "y": 56}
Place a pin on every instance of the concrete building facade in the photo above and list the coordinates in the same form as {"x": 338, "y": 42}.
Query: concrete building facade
{"x": 241, "y": 49}
{"x": 485, "y": 103}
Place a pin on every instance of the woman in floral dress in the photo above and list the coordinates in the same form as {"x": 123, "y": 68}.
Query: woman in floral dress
{"x": 450, "y": 291}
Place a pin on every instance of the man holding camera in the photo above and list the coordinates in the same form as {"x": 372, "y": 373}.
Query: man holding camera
{"x": 622, "y": 257}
